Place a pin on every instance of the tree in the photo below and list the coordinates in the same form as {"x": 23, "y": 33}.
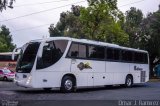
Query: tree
{"x": 151, "y": 30}
{"x": 133, "y": 20}
{"x": 101, "y": 21}
{"x": 6, "y": 44}
{"x": 144, "y": 33}
{"x": 54, "y": 31}
{"x": 5, "y": 3}
{"x": 68, "y": 25}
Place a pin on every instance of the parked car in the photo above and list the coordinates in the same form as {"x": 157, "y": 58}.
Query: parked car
{"x": 6, "y": 74}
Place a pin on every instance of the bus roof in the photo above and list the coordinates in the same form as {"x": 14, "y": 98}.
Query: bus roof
{"x": 88, "y": 42}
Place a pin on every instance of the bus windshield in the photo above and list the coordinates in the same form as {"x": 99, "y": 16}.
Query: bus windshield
{"x": 27, "y": 58}
{"x": 52, "y": 52}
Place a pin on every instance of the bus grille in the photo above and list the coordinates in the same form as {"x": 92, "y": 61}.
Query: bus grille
{"x": 143, "y": 74}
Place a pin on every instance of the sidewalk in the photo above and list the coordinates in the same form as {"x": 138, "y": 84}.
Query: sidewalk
{"x": 154, "y": 80}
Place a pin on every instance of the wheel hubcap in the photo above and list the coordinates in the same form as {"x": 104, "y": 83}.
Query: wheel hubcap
{"x": 68, "y": 84}
{"x": 129, "y": 82}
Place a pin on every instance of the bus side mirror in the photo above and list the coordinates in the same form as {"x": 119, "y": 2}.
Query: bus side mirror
{"x": 13, "y": 53}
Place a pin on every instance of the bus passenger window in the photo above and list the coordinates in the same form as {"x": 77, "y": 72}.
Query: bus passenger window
{"x": 61, "y": 45}
{"x": 145, "y": 58}
{"x": 110, "y": 53}
{"x": 73, "y": 52}
{"x": 138, "y": 57}
{"x": 96, "y": 52}
{"x": 116, "y": 54}
{"x": 127, "y": 56}
{"x": 82, "y": 51}
{"x": 77, "y": 51}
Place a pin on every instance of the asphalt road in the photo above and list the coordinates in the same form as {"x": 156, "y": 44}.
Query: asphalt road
{"x": 147, "y": 91}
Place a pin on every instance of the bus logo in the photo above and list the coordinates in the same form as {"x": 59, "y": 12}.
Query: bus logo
{"x": 137, "y": 68}
{"x": 82, "y": 66}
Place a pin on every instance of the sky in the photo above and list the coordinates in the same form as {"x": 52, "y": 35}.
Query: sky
{"x": 30, "y": 19}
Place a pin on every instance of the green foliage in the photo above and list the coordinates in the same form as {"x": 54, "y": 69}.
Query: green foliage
{"x": 151, "y": 31}
{"x": 6, "y": 3}
{"x": 68, "y": 25}
{"x": 133, "y": 20}
{"x": 144, "y": 33}
{"x": 6, "y": 44}
{"x": 101, "y": 21}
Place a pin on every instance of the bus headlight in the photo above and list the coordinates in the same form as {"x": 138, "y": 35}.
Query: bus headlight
{"x": 29, "y": 79}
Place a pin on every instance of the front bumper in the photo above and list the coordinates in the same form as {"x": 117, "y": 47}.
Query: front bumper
{"x": 22, "y": 83}
{"x": 11, "y": 78}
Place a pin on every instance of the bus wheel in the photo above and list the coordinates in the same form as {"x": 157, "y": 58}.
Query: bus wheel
{"x": 129, "y": 81}
{"x": 5, "y": 79}
{"x": 67, "y": 84}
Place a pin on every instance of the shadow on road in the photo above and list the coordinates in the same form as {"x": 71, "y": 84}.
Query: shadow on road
{"x": 82, "y": 90}
{"x": 109, "y": 87}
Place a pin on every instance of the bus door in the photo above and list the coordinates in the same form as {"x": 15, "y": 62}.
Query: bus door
{"x": 96, "y": 55}
{"x": 80, "y": 65}
{"x": 83, "y": 72}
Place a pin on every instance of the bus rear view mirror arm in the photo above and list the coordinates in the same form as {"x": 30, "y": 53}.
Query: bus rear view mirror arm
{"x": 13, "y": 53}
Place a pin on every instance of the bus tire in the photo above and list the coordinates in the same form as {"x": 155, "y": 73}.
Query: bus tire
{"x": 129, "y": 81}
{"x": 67, "y": 84}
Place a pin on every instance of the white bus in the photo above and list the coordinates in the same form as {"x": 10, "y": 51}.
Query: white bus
{"x": 69, "y": 63}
